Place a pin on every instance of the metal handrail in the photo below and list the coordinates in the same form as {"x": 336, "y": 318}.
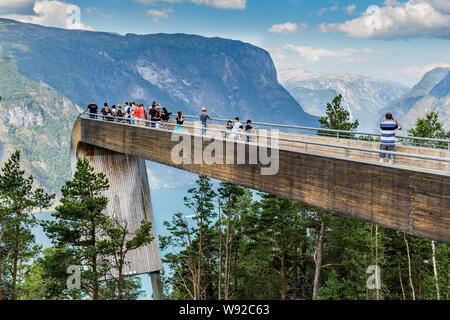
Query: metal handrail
{"x": 350, "y": 133}
{"x": 124, "y": 120}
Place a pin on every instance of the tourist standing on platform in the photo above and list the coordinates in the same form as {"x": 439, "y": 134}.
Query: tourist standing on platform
{"x": 165, "y": 116}
{"x": 204, "y": 116}
{"x": 132, "y": 110}
{"x": 158, "y": 116}
{"x": 180, "y": 121}
{"x": 127, "y": 111}
{"x": 152, "y": 113}
{"x": 249, "y": 129}
{"x": 93, "y": 110}
{"x": 387, "y": 142}
{"x": 141, "y": 113}
{"x": 105, "y": 112}
{"x": 137, "y": 115}
{"x": 240, "y": 134}
{"x": 229, "y": 129}
{"x": 120, "y": 114}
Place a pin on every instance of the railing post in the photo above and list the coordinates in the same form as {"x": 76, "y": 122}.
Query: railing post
{"x": 306, "y": 149}
{"x": 345, "y": 153}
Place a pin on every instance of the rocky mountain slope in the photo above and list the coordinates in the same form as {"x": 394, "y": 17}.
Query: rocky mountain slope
{"x": 46, "y": 74}
{"x": 362, "y": 96}
{"x": 37, "y": 120}
{"x": 432, "y": 93}
{"x": 181, "y": 71}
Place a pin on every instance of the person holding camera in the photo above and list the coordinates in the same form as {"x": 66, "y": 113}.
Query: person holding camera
{"x": 387, "y": 142}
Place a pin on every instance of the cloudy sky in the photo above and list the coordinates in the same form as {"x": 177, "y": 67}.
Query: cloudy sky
{"x": 395, "y": 40}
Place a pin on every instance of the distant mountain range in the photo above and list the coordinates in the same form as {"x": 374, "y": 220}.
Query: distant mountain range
{"x": 432, "y": 93}
{"x": 49, "y": 75}
{"x": 362, "y": 96}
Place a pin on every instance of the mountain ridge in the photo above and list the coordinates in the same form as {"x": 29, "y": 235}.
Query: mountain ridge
{"x": 228, "y": 76}
{"x": 431, "y": 93}
{"x": 50, "y": 75}
{"x": 363, "y": 96}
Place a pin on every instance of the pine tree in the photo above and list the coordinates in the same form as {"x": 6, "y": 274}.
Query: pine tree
{"x": 337, "y": 118}
{"x": 193, "y": 267}
{"x": 429, "y": 127}
{"x": 95, "y": 242}
{"x": 17, "y": 242}
{"x": 118, "y": 241}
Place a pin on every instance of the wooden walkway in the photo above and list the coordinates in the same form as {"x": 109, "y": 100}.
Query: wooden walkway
{"x": 412, "y": 195}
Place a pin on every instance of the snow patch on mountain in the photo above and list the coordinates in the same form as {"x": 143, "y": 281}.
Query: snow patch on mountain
{"x": 363, "y": 96}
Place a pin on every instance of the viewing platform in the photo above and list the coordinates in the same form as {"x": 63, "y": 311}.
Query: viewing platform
{"x": 344, "y": 176}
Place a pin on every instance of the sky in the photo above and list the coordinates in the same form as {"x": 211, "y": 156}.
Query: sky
{"x": 393, "y": 40}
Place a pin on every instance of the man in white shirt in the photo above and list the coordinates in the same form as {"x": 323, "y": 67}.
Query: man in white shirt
{"x": 235, "y": 131}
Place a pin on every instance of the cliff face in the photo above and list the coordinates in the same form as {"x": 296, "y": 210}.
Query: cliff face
{"x": 37, "y": 120}
{"x": 48, "y": 75}
{"x": 184, "y": 72}
{"x": 432, "y": 93}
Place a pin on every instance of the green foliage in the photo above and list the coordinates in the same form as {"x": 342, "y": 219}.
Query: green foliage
{"x": 92, "y": 239}
{"x": 46, "y": 278}
{"x": 17, "y": 242}
{"x": 429, "y": 127}
{"x": 197, "y": 251}
{"x": 337, "y": 118}
{"x": 272, "y": 247}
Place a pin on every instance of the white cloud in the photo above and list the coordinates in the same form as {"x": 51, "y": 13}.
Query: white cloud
{"x": 100, "y": 12}
{"x": 419, "y": 71}
{"x": 316, "y": 54}
{"x": 16, "y": 6}
{"x": 158, "y": 14}
{"x": 414, "y": 18}
{"x": 47, "y": 13}
{"x": 220, "y": 4}
{"x": 333, "y": 8}
{"x": 323, "y": 10}
{"x": 288, "y": 27}
{"x": 350, "y": 9}
{"x": 411, "y": 75}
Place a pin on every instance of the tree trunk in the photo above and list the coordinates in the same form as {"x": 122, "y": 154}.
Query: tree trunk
{"x": 1, "y": 268}
{"x": 227, "y": 254}
{"x": 303, "y": 269}
{"x": 409, "y": 268}
{"x": 400, "y": 277}
{"x": 433, "y": 248}
{"x": 283, "y": 275}
{"x": 318, "y": 258}
{"x": 1, "y": 293}
{"x": 15, "y": 265}
{"x": 121, "y": 282}
{"x": 295, "y": 272}
{"x": 220, "y": 255}
{"x": 376, "y": 257}
{"x": 94, "y": 266}
{"x": 199, "y": 270}
{"x": 95, "y": 284}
